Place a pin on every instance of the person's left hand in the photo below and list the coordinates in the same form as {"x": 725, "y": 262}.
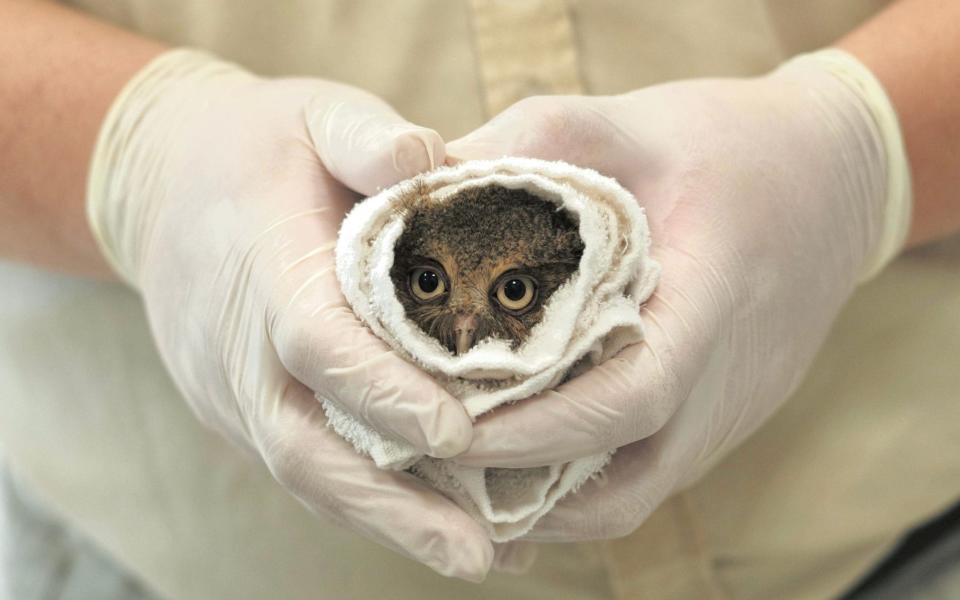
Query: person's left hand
{"x": 769, "y": 199}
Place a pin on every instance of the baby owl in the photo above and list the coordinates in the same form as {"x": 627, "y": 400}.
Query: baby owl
{"x": 482, "y": 264}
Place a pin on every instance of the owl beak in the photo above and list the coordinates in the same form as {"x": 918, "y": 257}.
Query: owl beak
{"x": 465, "y": 328}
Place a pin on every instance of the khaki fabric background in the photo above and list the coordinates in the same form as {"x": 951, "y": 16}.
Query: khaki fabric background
{"x": 868, "y": 447}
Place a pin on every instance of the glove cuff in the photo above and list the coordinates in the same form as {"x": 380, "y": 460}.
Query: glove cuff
{"x": 129, "y": 146}
{"x": 898, "y": 204}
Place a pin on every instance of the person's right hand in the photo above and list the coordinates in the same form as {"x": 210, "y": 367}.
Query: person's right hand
{"x": 218, "y": 196}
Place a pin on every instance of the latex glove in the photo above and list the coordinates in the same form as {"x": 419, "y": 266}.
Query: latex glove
{"x": 218, "y": 195}
{"x": 769, "y": 199}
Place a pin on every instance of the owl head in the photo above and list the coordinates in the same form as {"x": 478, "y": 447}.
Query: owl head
{"x": 482, "y": 263}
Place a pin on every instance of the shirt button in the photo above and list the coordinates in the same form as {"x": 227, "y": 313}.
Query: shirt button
{"x": 533, "y": 86}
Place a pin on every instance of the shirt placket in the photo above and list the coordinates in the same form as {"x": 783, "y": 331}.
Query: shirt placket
{"x": 524, "y": 48}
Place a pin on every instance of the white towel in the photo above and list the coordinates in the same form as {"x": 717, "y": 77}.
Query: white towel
{"x": 587, "y": 320}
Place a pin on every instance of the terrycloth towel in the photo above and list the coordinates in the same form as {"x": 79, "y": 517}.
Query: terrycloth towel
{"x": 589, "y": 319}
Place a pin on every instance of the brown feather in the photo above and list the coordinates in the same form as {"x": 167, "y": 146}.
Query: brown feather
{"x": 476, "y": 236}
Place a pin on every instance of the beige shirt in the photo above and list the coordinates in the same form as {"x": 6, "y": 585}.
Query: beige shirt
{"x": 867, "y": 448}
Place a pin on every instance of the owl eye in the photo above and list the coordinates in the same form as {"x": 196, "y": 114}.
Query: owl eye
{"x": 516, "y": 292}
{"x": 427, "y": 283}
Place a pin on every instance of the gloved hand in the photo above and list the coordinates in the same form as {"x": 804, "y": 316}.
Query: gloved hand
{"x": 218, "y": 195}
{"x": 769, "y": 199}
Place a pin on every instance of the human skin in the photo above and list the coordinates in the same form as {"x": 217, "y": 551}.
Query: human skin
{"x": 61, "y": 70}
{"x": 919, "y": 71}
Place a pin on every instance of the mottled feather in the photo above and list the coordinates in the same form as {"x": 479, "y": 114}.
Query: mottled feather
{"x": 482, "y": 241}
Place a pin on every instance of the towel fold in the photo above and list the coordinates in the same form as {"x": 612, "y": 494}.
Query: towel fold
{"x": 587, "y": 320}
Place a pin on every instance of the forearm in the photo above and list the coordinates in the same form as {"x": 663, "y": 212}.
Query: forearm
{"x": 61, "y": 70}
{"x": 913, "y": 48}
